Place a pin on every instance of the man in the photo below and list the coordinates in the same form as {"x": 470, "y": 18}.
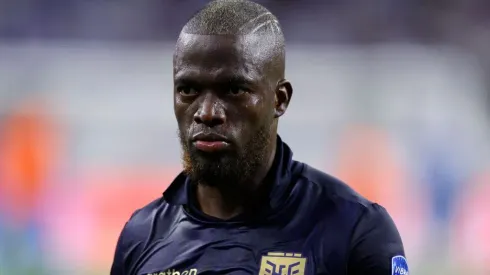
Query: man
{"x": 242, "y": 205}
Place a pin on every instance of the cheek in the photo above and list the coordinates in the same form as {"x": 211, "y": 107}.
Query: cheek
{"x": 257, "y": 113}
{"x": 177, "y": 106}
{"x": 264, "y": 110}
{"x": 183, "y": 108}
{"x": 183, "y": 115}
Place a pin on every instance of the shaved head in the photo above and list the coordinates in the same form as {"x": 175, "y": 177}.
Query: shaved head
{"x": 242, "y": 18}
{"x": 233, "y": 17}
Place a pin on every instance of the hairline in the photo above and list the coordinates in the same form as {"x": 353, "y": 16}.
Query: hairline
{"x": 237, "y": 35}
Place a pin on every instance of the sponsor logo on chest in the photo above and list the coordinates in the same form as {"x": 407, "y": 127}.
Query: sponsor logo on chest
{"x": 192, "y": 271}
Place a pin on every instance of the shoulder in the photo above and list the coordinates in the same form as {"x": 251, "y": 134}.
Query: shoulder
{"x": 156, "y": 215}
{"x": 356, "y": 212}
{"x": 333, "y": 189}
{"x": 137, "y": 228}
{"x": 142, "y": 218}
{"x": 160, "y": 214}
{"x": 153, "y": 221}
{"x": 376, "y": 246}
{"x": 136, "y": 235}
{"x": 373, "y": 240}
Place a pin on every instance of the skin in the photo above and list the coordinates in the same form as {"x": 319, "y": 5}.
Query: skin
{"x": 233, "y": 86}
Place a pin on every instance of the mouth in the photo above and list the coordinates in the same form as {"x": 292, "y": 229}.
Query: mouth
{"x": 210, "y": 143}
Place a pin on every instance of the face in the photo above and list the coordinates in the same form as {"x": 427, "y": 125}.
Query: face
{"x": 226, "y": 103}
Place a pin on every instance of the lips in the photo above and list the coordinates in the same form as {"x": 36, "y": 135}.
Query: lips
{"x": 210, "y": 143}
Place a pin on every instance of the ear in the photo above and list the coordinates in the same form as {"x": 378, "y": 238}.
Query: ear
{"x": 284, "y": 92}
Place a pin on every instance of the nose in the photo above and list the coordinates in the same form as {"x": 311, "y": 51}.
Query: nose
{"x": 211, "y": 112}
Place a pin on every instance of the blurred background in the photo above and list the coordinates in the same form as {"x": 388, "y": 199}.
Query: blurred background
{"x": 391, "y": 96}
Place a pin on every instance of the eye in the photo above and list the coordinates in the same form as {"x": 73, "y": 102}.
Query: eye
{"x": 187, "y": 91}
{"x": 236, "y": 90}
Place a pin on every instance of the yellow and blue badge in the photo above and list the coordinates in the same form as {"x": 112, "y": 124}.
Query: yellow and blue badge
{"x": 399, "y": 265}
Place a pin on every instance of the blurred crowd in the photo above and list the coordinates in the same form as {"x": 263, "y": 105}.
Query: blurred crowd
{"x": 461, "y": 23}
{"x": 356, "y": 21}
{"x": 85, "y": 137}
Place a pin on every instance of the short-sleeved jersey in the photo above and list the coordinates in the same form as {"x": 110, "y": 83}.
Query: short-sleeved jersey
{"x": 312, "y": 224}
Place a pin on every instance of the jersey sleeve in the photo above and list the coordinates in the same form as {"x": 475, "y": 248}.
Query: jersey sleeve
{"x": 376, "y": 247}
{"x": 126, "y": 249}
{"x": 120, "y": 262}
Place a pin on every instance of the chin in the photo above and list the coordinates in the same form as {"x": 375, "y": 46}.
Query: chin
{"x": 215, "y": 160}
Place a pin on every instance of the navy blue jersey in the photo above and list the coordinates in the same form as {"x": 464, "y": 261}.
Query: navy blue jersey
{"x": 313, "y": 224}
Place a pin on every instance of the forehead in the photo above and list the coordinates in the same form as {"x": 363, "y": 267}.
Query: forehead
{"x": 217, "y": 55}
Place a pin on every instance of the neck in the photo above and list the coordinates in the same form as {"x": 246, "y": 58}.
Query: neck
{"x": 226, "y": 203}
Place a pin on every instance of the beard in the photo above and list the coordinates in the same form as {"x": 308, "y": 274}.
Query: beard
{"x": 228, "y": 168}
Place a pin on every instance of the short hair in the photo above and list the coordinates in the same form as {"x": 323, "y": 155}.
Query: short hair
{"x": 233, "y": 17}
{"x": 241, "y": 17}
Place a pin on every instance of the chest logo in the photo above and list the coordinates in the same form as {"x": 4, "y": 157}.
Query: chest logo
{"x": 278, "y": 263}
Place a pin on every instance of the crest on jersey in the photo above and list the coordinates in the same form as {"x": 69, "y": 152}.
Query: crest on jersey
{"x": 399, "y": 265}
{"x": 279, "y": 263}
